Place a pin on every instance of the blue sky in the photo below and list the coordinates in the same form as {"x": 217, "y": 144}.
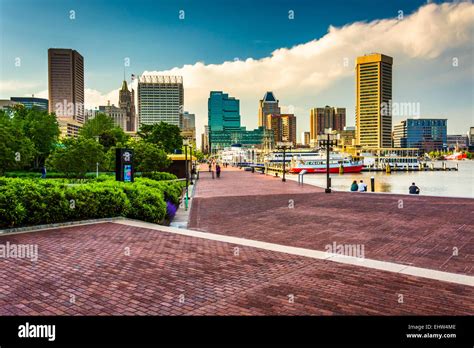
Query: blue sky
{"x": 151, "y": 34}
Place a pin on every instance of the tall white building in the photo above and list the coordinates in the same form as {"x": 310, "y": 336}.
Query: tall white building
{"x": 160, "y": 98}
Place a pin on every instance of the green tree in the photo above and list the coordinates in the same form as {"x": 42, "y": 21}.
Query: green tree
{"x": 166, "y": 136}
{"x": 149, "y": 157}
{"x": 103, "y": 129}
{"x": 16, "y": 150}
{"x": 42, "y": 129}
{"x": 77, "y": 157}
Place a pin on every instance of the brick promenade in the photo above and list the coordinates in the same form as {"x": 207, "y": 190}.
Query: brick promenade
{"x": 117, "y": 269}
{"x": 169, "y": 274}
{"x": 414, "y": 230}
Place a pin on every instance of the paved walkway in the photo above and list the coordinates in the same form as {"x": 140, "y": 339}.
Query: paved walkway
{"x": 121, "y": 269}
{"x": 134, "y": 268}
{"x": 420, "y": 231}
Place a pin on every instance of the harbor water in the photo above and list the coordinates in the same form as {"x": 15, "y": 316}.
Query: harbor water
{"x": 433, "y": 183}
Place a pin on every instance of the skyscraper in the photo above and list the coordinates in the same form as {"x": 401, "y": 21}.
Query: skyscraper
{"x": 223, "y": 116}
{"x": 373, "y": 94}
{"x": 66, "y": 88}
{"x": 283, "y": 127}
{"x": 327, "y": 117}
{"x": 268, "y": 105}
{"x": 160, "y": 98}
{"x": 127, "y": 103}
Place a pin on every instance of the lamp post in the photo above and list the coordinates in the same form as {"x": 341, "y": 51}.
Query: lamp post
{"x": 284, "y": 146}
{"x": 331, "y": 140}
{"x": 186, "y": 198}
{"x": 191, "y": 157}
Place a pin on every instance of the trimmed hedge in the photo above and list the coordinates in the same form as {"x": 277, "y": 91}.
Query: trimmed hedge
{"x": 158, "y": 176}
{"x": 26, "y": 202}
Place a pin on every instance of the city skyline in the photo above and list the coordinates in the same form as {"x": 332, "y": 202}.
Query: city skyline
{"x": 325, "y": 77}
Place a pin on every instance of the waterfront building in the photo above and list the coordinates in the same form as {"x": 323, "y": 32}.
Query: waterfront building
{"x": 283, "y": 127}
{"x": 258, "y": 138}
{"x": 305, "y": 138}
{"x": 457, "y": 141}
{"x": 373, "y": 94}
{"x": 160, "y": 99}
{"x": 347, "y": 136}
{"x": 327, "y": 117}
{"x": 223, "y": 118}
{"x": 471, "y": 137}
{"x": 32, "y": 102}
{"x": 267, "y": 105}
{"x": 426, "y": 134}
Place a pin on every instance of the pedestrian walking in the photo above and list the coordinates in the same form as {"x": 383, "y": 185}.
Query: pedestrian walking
{"x": 218, "y": 171}
{"x": 43, "y": 172}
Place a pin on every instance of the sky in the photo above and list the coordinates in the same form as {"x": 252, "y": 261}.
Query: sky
{"x": 304, "y": 51}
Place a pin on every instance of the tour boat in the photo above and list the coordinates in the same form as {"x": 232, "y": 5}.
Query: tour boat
{"x": 456, "y": 156}
{"x": 319, "y": 165}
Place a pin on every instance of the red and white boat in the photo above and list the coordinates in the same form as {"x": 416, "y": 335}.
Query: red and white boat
{"x": 318, "y": 165}
{"x": 456, "y": 156}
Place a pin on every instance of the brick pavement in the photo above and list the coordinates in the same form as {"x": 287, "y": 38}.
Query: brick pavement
{"x": 414, "y": 230}
{"x": 90, "y": 262}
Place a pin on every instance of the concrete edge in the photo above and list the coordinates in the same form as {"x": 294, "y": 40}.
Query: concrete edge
{"x": 315, "y": 254}
{"x": 38, "y": 228}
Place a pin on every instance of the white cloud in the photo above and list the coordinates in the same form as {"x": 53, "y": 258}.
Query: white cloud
{"x": 300, "y": 74}
{"x": 13, "y": 86}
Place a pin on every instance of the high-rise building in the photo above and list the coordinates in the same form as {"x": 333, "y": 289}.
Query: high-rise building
{"x": 188, "y": 130}
{"x": 32, "y": 102}
{"x": 205, "y": 140}
{"x": 127, "y": 103}
{"x": 223, "y": 116}
{"x": 160, "y": 98}
{"x": 124, "y": 114}
{"x": 305, "y": 138}
{"x": 427, "y": 134}
{"x": 189, "y": 120}
{"x": 373, "y": 94}
{"x": 327, "y": 117}
{"x": 268, "y": 105}
{"x": 119, "y": 115}
{"x": 283, "y": 127}
{"x": 66, "y": 87}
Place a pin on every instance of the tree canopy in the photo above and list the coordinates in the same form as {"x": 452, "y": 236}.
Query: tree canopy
{"x": 166, "y": 136}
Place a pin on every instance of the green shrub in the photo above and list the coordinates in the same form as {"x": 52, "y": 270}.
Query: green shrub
{"x": 172, "y": 190}
{"x": 146, "y": 203}
{"x": 26, "y": 202}
{"x": 159, "y": 176}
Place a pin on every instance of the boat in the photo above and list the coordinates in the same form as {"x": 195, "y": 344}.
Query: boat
{"x": 456, "y": 156}
{"x": 337, "y": 163}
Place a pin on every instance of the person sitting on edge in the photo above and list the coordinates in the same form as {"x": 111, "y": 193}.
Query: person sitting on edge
{"x": 354, "y": 186}
{"x": 413, "y": 189}
{"x": 362, "y": 186}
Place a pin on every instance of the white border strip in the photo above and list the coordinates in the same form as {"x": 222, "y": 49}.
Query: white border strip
{"x": 315, "y": 254}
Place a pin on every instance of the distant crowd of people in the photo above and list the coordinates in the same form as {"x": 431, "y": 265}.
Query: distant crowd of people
{"x": 213, "y": 164}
